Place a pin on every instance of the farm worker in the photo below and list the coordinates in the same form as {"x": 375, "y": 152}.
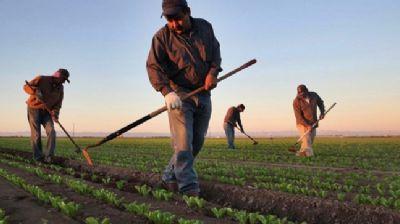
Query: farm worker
{"x": 184, "y": 56}
{"x": 232, "y": 120}
{"x": 305, "y": 110}
{"x": 46, "y": 94}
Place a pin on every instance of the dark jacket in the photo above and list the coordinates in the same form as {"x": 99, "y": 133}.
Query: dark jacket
{"x": 306, "y": 113}
{"x": 53, "y": 94}
{"x": 182, "y": 61}
{"x": 232, "y": 116}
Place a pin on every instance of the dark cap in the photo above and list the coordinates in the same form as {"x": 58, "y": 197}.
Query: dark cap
{"x": 173, "y": 7}
{"x": 241, "y": 106}
{"x": 64, "y": 73}
{"x": 302, "y": 89}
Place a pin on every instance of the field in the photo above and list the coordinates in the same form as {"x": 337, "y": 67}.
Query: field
{"x": 350, "y": 180}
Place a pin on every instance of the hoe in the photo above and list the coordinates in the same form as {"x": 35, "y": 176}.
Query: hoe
{"x": 159, "y": 111}
{"x": 293, "y": 147}
{"x": 252, "y": 139}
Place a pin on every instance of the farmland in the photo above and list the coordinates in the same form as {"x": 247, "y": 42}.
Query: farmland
{"x": 350, "y": 180}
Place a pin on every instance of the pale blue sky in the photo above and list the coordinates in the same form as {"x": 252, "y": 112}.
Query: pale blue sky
{"x": 347, "y": 51}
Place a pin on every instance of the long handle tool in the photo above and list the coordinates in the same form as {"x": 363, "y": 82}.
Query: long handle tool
{"x": 293, "y": 147}
{"x": 164, "y": 108}
{"x": 77, "y": 148}
{"x": 254, "y": 141}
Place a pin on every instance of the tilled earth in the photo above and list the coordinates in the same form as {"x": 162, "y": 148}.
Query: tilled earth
{"x": 296, "y": 208}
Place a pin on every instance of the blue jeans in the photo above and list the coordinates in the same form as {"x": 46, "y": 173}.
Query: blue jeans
{"x": 36, "y": 118}
{"x": 188, "y": 128}
{"x": 230, "y": 134}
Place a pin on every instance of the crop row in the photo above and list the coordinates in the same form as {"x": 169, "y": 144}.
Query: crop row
{"x": 306, "y": 182}
{"x": 68, "y": 208}
{"x": 386, "y": 193}
{"x": 159, "y": 194}
{"x": 109, "y": 197}
{"x": 362, "y": 153}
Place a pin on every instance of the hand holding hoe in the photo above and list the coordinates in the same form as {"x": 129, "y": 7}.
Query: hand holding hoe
{"x": 162, "y": 109}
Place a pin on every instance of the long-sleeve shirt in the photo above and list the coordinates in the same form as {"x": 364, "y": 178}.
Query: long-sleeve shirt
{"x": 182, "y": 61}
{"x": 305, "y": 108}
{"x": 233, "y": 116}
{"x": 52, "y": 94}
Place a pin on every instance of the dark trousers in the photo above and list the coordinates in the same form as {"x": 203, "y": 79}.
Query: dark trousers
{"x": 36, "y": 118}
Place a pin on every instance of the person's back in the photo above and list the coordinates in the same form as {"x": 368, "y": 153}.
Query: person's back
{"x": 307, "y": 108}
{"x": 231, "y": 115}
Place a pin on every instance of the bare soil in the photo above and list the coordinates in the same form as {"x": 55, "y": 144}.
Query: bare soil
{"x": 21, "y": 207}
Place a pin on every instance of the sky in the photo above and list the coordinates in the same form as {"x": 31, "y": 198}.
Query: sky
{"x": 346, "y": 51}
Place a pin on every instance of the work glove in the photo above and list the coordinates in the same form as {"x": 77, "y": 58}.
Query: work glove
{"x": 172, "y": 101}
{"x": 211, "y": 82}
{"x": 321, "y": 116}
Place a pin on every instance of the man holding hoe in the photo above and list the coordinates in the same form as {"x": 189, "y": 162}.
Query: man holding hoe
{"x": 305, "y": 110}
{"x": 232, "y": 120}
{"x": 184, "y": 56}
{"x": 46, "y": 94}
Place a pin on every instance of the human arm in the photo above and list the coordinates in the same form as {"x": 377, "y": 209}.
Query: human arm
{"x": 321, "y": 107}
{"x": 156, "y": 66}
{"x": 31, "y": 87}
{"x": 55, "y": 110}
{"x": 215, "y": 63}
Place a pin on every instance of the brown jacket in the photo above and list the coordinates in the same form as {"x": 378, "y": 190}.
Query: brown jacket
{"x": 52, "y": 93}
{"x": 306, "y": 113}
{"x": 232, "y": 116}
{"x": 182, "y": 61}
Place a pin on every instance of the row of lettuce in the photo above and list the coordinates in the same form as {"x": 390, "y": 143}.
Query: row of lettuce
{"x": 141, "y": 209}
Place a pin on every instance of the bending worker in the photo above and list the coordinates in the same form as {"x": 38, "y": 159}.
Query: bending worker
{"x": 232, "y": 120}
{"x": 46, "y": 94}
{"x": 184, "y": 56}
{"x": 305, "y": 110}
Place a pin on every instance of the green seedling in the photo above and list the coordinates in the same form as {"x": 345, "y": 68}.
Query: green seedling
{"x": 194, "y": 202}
{"x": 3, "y": 217}
{"x": 70, "y": 208}
{"x": 186, "y": 221}
{"x": 70, "y": 171}
{"x": 138, "y": 209}
{"x": 241, "y": 217}
{"x": 92, "y": 220}
{"x": 159, "y": 217}
{"x": 94, "y": 178}
{"x": 106, "y": 180}
{"x": 79, "y": 187}
{"x": 218, "y": 213}
{"x": 144, "y": 190}
{"x": 341, "y": 196}
{"x": 253, "y": 218}
{"x": 120, "y": 184}
{"x": 107, "y": 196}
{"x": 162, "y": 194}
